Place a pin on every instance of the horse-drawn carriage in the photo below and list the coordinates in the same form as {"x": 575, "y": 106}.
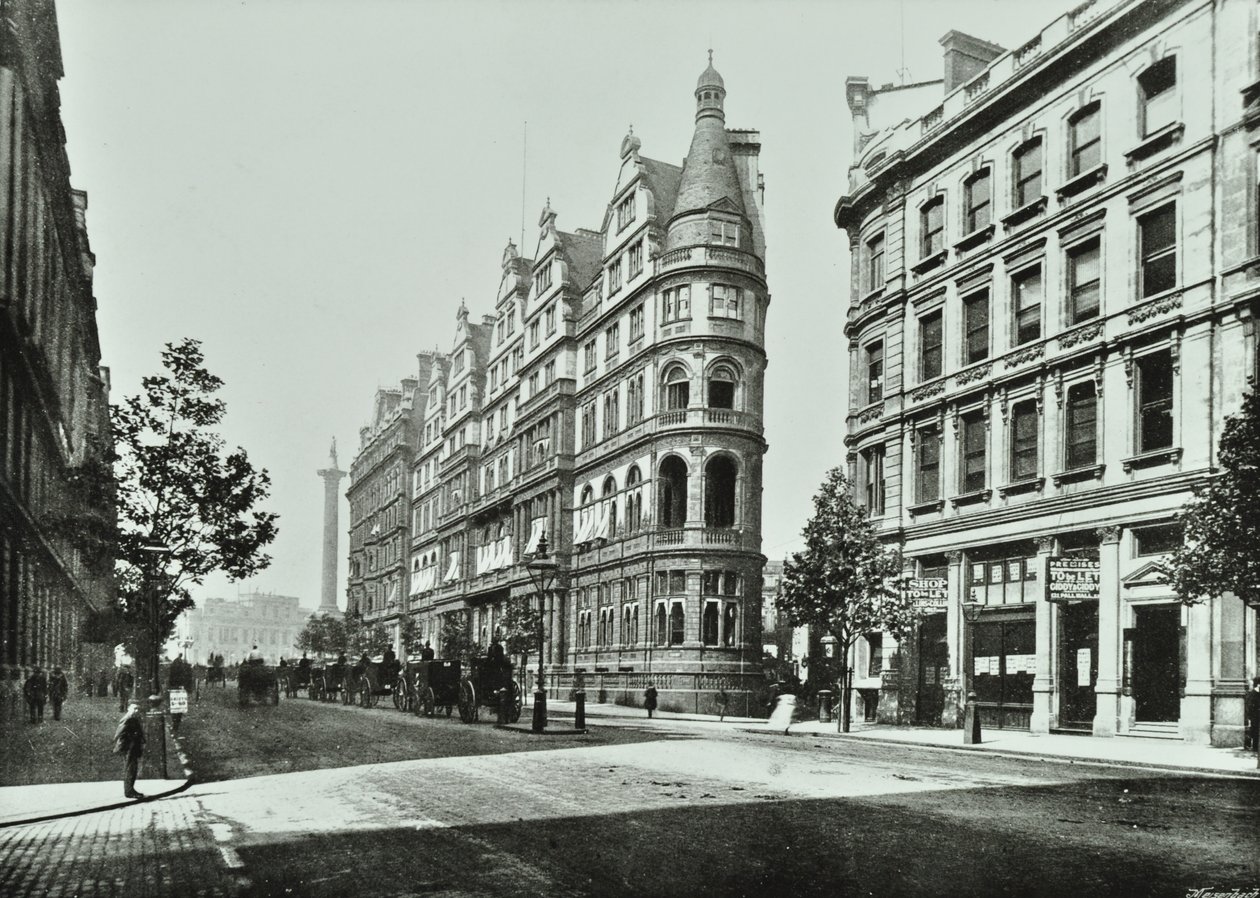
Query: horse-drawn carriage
{"x": 256, "y": 681}
{"x": 328, "y": 681}
{"x": 482, "y": 686}
{"x": 372, "y": 679}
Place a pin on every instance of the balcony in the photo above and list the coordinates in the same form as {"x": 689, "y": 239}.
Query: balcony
{"x": 678, "y": 419}
{"x": 561, "y": 387}
{"x": 469, "y": 452}
{"x": 712, "y": 256}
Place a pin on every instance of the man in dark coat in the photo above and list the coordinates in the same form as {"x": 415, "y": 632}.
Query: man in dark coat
{"x": 427, "y": 654}
{"x": 129, "y": 741}
{"x": 58, "y": 689}
{"x": 649, "y": 699}
{"x": 1251, "y": 716}
{"x": 35, "y": 691}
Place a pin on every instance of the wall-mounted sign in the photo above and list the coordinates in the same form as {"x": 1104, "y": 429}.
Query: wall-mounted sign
{"x": 928, "y": 592}
{"x": 1072, "y": 578}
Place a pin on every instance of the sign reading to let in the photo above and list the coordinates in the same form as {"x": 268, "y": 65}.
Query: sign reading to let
{"x": 178, "y": 701}
{"x": 928, "y": 592}
{"x": 1073, "y": 579}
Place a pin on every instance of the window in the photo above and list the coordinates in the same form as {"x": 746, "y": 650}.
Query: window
{"x": 722, "y": 387}
{"x": 549, "y": 372}
{"x": 1024, "y": 441}
{"x": 636, "y": 259}
{"x": 979, "y": 192}
{"x": 588, "y": 352}
{"x": 588, "y": 424}
{"x": 1082, "y": 426}
{"x": 927, "y": 464}
{"x": 677, "y": 390}
{"x": 709, "y": 625}
{"x": 612, "y": 412}
{"x": 634, "y": 399}
{"x": 874, "y": 372}
{"x": 975, "y": 435}
{"x": 1157, "y": 88}
{"x": 1157, "y": 540}
{"x": 543, "y": 277}
{"x": 1086, "y": 141}
{"x": 549, "y": 318}
{"x": 724, "y": 232}
{"x": 1158, "y": 237}
{"x": 625, "y": 212}
{"x": 676, "y": 623}
{"x": 724, "y": 301}
{"x": 638, "y": 315}
{"x": 1003, "y": 580}
{"x": 534, "y": 335}
{"x": 875, "y": 654}
{"x": 612, "y": 340}
{"x": 976, "y": 321}
{"x": 511, "y": 322}
{"x": 1026, "y": 300}
{"x": 873, "y": 470}
{"x": 1155, "y": 401}
{"x": 662, "y": 633}
{"x": 676, "y": 304}
{"x": 930, "y": 346}
{"x": 1028, "y": 173}
{"x": 614, "y": 276}
{"x": 1083, "y": 282}
{"x": 875, "y": 263}
{"x": 932, "y": 228}
{"x": 535, "y": 383}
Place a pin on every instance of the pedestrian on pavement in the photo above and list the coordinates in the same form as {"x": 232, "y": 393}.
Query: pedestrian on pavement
{"x": 723, "y": 700}
{"x": 123, "y": 683}
{"x": 1251, "y": 716}
{"x": 129, "y": 741}
{"x": 58, "y": 689}
{"x": 35, "y": 691}
{"x": 649, "y": 699}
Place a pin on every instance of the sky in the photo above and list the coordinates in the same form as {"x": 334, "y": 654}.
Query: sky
{"x": 311, "y": 187}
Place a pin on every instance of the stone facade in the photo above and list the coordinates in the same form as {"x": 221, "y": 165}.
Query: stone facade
{"x": 56, "y": 493}
{"x": 231, "y": 628}
{"x": 1050, "y": 316}
{"x": 612, "y": 403}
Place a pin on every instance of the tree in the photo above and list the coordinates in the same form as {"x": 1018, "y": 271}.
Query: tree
{"x": 186, "y": 507}
{"x": 841, "y": 583}
{"x": 322, "y": 635}
{"x": 409, "y": 635}
{"x": 1221, "y": 552}
{"x": 522, "y": 628}
{"x": 456, "y": 638}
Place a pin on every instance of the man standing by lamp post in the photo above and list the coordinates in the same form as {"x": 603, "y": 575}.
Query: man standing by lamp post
{"x": 542, "y": 573}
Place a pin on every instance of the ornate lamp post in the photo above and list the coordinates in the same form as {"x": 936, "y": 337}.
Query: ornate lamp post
{"x": 154, "y": 719}
{"x": 542, "y": 573}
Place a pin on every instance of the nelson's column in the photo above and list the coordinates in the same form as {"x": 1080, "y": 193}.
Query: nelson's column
{"x": 328, "y": 582}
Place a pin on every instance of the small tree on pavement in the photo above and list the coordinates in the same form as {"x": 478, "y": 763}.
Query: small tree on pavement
{"x": 842, "y": 583}
{"x": 186, "y": 506}
{"x": 409, "y": 635}
{"x": 1221, "y": 552}
{"x": 522, "y": 627}
{"x": 456, "y": 638}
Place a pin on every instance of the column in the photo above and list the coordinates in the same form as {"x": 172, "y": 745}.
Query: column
{"x": 1110, "y": 649}
{"x": 1196, "y": 701}
{"x": 954, "y": 697}
{"x": 1043, "y": 717}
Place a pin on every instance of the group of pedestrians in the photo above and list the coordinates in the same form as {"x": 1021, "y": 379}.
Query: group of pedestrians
{"x": 40, "y": 689}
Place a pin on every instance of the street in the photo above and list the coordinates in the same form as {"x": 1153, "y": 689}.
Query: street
{"x": 660, "y": 807}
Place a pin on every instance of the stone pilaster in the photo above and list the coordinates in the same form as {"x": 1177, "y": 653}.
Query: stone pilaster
{"x": 1110, "y": 647}
{"x": 1043, "y": 717}
{"x": 1196, "y": 700}
{"x": 951, "y": 713}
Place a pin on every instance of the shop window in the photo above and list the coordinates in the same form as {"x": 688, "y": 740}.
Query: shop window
{"x": 975, "y": 435}
{"x": 1026, "y": 305}
{"x": 1157, "y": 235}
{"x": 1084, "y": 281}
{"x": 1155, "y": 401}
{"x": 1082, "y": 425}
{"x": 875, "y": 654}
{"x": 976, "y": 322}
{"x": 1157, "y": 87}
{"x": 930, "y": 346}
{"x": 1027, "y": 173}
{"x": 1010, "y": 580}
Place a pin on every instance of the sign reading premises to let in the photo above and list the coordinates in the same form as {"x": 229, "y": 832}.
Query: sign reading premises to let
{"x": 928, "y": 592}
{"x": 1073, "y": 578}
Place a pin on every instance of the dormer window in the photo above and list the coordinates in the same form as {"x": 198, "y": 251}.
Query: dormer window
{"x": 543, "y": 276}
{"x": 625, "y": 212}
{"x": 724, "y": 232}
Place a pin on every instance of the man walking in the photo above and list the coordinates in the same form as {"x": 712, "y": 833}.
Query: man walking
{"x": 35, "y": 691}
{"x": 129, "y": 741}
{"x": 649, "y": 699}
{"x": 58, "y": 689}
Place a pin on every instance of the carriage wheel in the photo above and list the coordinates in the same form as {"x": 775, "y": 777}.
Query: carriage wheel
{"x": 516, "y": 702}
{"x": 370, "y": 695}
{"x": 402, "y": 698}
{"x": 429, "y": 702}
{"x": 467, "y": 702}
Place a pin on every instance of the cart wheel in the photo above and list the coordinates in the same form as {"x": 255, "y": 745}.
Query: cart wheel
{"x": 516, "y": 702}
{"x": 467, "y": 702}
{"x": 430, "y": 700}
{"x": 401, "y": 697}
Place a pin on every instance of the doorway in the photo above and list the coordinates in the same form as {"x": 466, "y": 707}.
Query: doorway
{"x": 1157, "y": 663}
{"x": 933, "y": 670}
{"x": 1078, "y": 665}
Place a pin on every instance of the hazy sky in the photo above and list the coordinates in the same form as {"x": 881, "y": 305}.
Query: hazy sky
{"x": 311, "y": 187}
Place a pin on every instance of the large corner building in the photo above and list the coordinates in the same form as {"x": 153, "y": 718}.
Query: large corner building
{"x": 1052, "y": 311}
{"x": 610, "y": 402}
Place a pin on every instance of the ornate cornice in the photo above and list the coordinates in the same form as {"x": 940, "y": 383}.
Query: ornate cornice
{"x": 972, "y": 375}
{"x": 927, "y": 392}
{"x": 1081, "y": 335}
{"x": 1027, "y": 355}
{"x": 1154, "y": 308}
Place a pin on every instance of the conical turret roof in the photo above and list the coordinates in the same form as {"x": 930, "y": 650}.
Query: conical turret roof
{"x": 709, "y": 174}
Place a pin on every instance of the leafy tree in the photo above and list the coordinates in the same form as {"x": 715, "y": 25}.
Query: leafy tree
{"x": 366, "y": 639}
{"x": 409, "y": 635}
{"x": 1221, "y": 552}
{"x": 456, "y": 638}
{"x": 840, "y": 584}
{"x": 186, "y": 506}
{"x": 522, "y": 627}
{"x": 322, "y": 635}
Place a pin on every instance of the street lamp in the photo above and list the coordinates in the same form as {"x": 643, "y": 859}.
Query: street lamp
{"x": 542, "y": 573}
{"x": 154, "y": 719}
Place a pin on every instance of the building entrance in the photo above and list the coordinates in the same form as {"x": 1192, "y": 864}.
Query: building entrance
{"x": 1004, "y": 658}
{"x": 1078, "y": 665}
{"x": 1156, "y": 666}
{"x": 933, "y": 669}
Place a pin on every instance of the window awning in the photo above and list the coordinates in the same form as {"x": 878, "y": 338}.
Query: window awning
{"x": 599, "y": 530}
{"x": 452, "y": 571}
{"x": 536, "y": 529}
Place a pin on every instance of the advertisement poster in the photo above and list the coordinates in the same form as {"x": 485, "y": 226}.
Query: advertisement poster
{"x": 1084, "y": 663}
{"x": 1073, "y": 579}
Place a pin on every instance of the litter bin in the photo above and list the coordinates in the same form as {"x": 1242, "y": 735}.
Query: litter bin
{"x": 824, "y": 706}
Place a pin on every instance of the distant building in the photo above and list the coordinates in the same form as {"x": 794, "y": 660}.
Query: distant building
{"x": 56, "y": 490}
{"x": 231, "y": 627}
{"x": 1052, "y": 311}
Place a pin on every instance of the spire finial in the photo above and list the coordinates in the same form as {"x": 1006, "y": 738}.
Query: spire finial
{"x": 710, "y": 56}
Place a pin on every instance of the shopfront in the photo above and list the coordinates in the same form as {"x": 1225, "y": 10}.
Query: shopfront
{"x": 1002, "y": 635}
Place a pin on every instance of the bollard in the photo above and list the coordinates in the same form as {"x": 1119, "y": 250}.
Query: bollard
{"x": 540, "y": 711}
{"x": 505, "y": 707}
{"x": 971, "y": 721}
{"x": 824, "y": 706}
{"x": 579, "y": 710}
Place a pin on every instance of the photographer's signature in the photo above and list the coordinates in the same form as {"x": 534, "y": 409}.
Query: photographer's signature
{"x": 1212, "y": 892}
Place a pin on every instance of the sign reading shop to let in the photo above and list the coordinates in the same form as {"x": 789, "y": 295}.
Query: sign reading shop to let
{"x": 1073, "y": 579}
{"x": 928, "y": 592}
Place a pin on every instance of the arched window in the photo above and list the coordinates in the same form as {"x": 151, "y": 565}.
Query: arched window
{"x": 676, "y": 624}
{"x": 677, "y": 389}
{"x": 722, "y": 382}
{"x": 634, "y": 499}
{"x": 610, "y": 490}
{"x": 729, "y": 620}
{"x": 662, "y": 629}
{"x": 588, "y": 495}
{"x": 672, "y": 510}
{"x": 719, "y": 492}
